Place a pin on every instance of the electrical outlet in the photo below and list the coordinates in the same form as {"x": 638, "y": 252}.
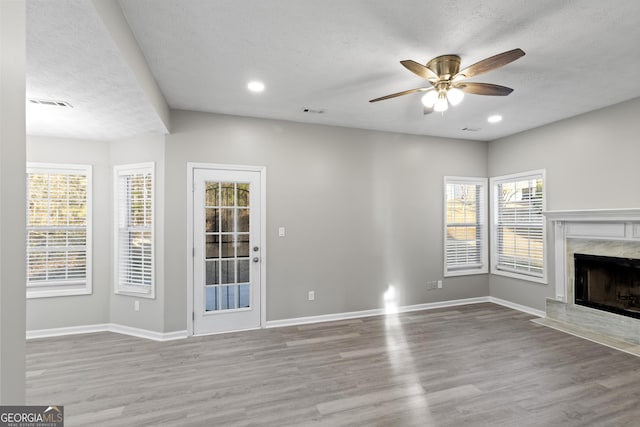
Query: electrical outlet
{"x": 136, "y": 305}
{"x": 312, "y": 295}
{"x": 434, "y": 284}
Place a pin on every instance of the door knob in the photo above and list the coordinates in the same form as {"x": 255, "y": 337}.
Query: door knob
{"x": 256, "y": 259}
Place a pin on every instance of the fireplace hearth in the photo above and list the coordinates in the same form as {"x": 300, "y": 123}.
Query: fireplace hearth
{"x": 608, "y": 283}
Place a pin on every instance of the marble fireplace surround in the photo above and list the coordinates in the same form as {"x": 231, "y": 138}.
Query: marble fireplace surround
{"x": 610, "y": 232}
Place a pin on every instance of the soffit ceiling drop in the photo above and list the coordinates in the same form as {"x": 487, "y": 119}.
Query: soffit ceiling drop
{"x": 71, "y": 58}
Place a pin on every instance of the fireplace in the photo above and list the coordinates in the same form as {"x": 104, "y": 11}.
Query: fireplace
{"x": 602, "y": 247}
{"x": 608, "y": 283}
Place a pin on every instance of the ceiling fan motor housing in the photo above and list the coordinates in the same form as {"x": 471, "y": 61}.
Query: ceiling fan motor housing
{"x": 445, "y": 66}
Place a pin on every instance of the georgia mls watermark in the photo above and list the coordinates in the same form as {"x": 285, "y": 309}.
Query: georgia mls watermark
{"x": 31, "y": 416}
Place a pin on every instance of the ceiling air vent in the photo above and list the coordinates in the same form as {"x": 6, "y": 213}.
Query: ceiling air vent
{"x": 311, "y": 110}
{"x": 471, "y": 129}
{"x": 50, "y": 102}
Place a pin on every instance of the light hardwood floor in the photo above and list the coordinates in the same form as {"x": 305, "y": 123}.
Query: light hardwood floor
{"x": 474, "y": 365}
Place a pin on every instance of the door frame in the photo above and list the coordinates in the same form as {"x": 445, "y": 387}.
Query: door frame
{"x": 191, "y": 167}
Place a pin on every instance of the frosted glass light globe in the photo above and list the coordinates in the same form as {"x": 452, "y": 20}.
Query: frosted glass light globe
{"x": 455, "y": 96}
{"x": 429, "y": 99}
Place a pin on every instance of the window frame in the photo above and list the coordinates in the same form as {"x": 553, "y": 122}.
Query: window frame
{"x": 493, "y": 187}
{"x": 141, "y": 291}
{"x": 481, "y": 222}
{"x": 64, "y": 287}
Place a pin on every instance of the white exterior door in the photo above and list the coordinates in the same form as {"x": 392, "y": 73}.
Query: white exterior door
{"x": 227, "y": 252}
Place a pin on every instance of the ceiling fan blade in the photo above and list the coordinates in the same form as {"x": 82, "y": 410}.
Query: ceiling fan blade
{"x": 427, "y": 110}
{"x": 484, "y": 89}
{"x": 491, "y": 63}
{"x": 420, "y": 70}
{"x": 406, "y": 92}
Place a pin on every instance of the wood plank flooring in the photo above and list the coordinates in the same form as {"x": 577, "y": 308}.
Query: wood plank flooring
{"x": 474, "y": 365}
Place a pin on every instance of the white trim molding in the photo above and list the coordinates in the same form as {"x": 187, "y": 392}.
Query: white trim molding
{"x": 107, "y": 327}
{"x": 593, "y": 224}
{"x": 71, "y": 330}
{"x": 145, "y": 333}
{"x": 404, "y": 309}
{"x": 170, "y": 336}
{"x": 519, "y": 307}
{"x": 599, "y": 215}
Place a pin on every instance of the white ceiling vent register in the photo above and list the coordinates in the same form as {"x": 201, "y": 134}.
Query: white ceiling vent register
{"x": 50, "y": 102}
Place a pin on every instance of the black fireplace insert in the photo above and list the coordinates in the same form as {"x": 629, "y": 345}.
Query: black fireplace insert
{"x": 608, "y": 283}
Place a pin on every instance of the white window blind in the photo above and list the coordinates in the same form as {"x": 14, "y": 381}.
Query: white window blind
{"x": 465, "y": 226}
{"x": 134, "y": 234}
{"x": 519, "y": 226}
{"x": 58, "y": 230}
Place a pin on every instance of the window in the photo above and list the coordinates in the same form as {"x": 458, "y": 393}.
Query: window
{"x": 518, "y": 228}
{"x": 58, "y": 230}
{"x": 134, "y": 233}
{"x": 465, "y": 240}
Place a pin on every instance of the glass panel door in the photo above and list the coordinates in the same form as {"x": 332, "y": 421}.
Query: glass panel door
{"x": 226, "y": 250}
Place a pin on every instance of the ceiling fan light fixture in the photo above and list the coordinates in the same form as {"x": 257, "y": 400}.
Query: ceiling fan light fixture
{"x": 455, "y": 96}
{"x": 430, "y": 98}
{"x": 441, "y": 104}
{"x": 444, "y": 75}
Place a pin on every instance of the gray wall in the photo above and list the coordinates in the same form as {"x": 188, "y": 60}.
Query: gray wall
{"x": 591, "y": 162}
{"x": 102, "y": 306}
{"x": 12, "y": 202}
{"x": 143, "y": 149}
{"x": 362, "y": 210}
{"x": 77, "y": 310}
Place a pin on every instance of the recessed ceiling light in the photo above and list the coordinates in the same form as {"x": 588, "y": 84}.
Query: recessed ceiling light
{"x": 255, "y": 86}
{"x": 495, "y": 119}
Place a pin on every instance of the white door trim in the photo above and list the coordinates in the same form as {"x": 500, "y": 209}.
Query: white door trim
{"x": 191, "y": 167}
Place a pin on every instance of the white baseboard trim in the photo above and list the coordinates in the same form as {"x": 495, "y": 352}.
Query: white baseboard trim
{"x": 107, "y": 327}
{"x": 374, "y": 312}
{"x": 145, "y": 333}
{"x": 71, "y": 330}
{"x": 176, "y": 335}
{"x": 518, "y": 307}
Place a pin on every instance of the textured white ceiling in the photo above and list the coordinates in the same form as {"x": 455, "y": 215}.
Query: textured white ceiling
{"x": 71, "y": 57}
{"x": 335, "y": 55}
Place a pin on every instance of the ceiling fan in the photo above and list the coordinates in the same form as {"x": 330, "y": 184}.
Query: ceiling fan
{"x": 447, "y": 82}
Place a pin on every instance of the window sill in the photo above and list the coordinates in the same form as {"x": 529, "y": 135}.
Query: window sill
{"x": 46, "y": 292}
{"x": 138, "y": 293}
{"x": 466, "y": 272}
{"x": 541, "y": 280}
